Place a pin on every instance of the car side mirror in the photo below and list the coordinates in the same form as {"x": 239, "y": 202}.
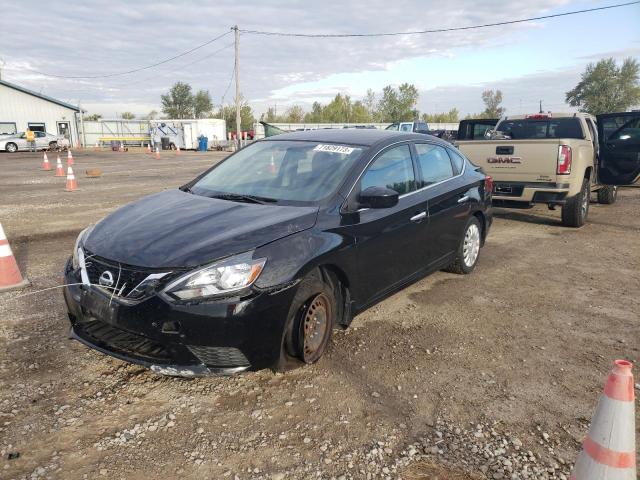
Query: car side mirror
{"x": 378, "y": 197}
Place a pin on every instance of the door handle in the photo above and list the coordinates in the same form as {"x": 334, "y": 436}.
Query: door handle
{"x": 463, "y": 199}
{"x": 419, "y": 216}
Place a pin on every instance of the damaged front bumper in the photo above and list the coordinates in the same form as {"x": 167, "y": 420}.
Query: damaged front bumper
{"x": 217, "y": 337}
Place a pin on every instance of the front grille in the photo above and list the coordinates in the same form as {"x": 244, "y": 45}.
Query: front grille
{"x": 104, "y": 335}
{"x": 219, "y": 356}
{"x": 125, "y": 277}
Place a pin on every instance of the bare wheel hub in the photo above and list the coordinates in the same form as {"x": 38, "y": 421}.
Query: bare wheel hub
{"x": 315, "y": 324}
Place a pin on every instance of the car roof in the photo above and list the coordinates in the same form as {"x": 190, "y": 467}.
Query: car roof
{"x": 365, "y": 137}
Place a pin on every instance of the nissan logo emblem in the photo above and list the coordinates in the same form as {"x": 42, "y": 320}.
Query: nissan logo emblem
{"x": 106, "y": 279}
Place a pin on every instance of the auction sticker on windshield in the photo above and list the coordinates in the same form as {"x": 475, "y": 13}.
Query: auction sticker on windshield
{"x": 334, "y": 149}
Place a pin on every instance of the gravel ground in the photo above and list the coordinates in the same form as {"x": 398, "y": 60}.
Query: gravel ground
{"x": 492, "y": 375}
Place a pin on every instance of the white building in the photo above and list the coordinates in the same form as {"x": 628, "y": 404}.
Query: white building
{"x": 21, "y": 108}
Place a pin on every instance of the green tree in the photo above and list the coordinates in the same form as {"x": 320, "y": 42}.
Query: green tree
{"x": 92, "y": 118}
{"x": 270, "y": 116}
{"x": 202, "y": 104}
{"x": 451, "y": 116}
{"x": 398, "y": 105}
{"x": 606, "y": 88}
{"x": 492, "y": 101}
{"x": 315, "y": 115}
{"x": 127, "y": 116}
{"x": 178, "y": 103}
{"x": 337, "y": 110}
{"x": 228, "y": 113}
{"x": 294, "y": 114}
{"x": 360, "y": 113}
{"x": 369, "y": 102}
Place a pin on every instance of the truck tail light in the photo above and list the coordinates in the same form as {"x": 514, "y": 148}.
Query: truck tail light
{"x": 488, "y": 185}
{"x": 564, "y": 160}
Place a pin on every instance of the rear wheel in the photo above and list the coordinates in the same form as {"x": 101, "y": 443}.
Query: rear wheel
{"x": 53, "y": 145}
{"x": 608, "y": 194}
{"x": 575, "y": 211}
{"x": 469, "y": 249}
{"x": 11, "y": 147}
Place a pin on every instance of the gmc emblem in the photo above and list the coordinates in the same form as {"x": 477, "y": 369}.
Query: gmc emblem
{"x": 504, "y": 160}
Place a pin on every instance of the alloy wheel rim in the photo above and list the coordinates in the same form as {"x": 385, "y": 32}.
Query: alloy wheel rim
{"x": 585, "y": 202}
{"x": 315, "y": 325}
{"x": 471, "y": 246}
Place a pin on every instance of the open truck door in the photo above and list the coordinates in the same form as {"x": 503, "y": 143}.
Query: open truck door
{"x": 619, "y": 141}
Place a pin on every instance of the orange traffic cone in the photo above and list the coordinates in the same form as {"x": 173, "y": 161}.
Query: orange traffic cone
{"x": 177, "y": 149}
{"x": 608, "y": 451}
{"x": 72, "y": 185}
{"x": 96, "y": 146}
{"x": 59, "y": 169}
{"x": 69, "y": 158}
{"x": 10, "y": 276}
{"x": 45, "y": 162}
{"x": 148, "y": 148}
{"x": 157, "y": 153}
{"x": 272, "y": 166}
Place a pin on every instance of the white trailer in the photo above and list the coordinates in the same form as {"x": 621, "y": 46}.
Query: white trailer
{"x": 185, "y": 133}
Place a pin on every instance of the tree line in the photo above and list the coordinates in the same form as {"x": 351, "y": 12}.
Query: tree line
{"x": 603, "y": 87}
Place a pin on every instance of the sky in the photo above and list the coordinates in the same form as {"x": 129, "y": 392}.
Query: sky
{"x": 528, "y": 62}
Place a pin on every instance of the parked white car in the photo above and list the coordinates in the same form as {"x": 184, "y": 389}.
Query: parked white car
{"x": 18, "y": 142}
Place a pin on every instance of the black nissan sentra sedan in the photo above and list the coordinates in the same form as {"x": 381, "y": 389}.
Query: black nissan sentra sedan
{"x": 253, "y": 263}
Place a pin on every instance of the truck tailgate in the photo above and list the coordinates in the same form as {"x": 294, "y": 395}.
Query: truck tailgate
{"x": 515, "y": 160}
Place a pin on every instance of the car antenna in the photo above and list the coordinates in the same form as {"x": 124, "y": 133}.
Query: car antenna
{"x": 541, "y": 107}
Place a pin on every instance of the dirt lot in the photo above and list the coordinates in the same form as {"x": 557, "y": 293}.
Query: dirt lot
{"x": 492, "y": 375}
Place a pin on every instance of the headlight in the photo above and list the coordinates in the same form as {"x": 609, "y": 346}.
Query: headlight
{"x": 75, "y": 261}
{"x": 223, "y": 277}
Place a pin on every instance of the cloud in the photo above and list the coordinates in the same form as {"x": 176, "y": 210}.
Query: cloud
{"x": 103, "y": 36}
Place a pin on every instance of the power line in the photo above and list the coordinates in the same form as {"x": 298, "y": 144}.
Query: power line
{"x": 437, "y": 30}
{"x": 208, "y": 42}
{"x": 174, "y": 69}
{"x": 233, "y": 74}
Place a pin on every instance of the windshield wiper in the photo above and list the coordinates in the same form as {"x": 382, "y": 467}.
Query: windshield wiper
{"x": 236, "y": 197}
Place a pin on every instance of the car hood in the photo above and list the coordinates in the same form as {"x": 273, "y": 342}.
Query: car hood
{"x": 177, "y": 229}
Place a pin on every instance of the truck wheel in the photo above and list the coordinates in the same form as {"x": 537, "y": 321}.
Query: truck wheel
{"x": 608, "y": 194}
{"x": 574, "y": 212}
{"x": 468, "y": 249}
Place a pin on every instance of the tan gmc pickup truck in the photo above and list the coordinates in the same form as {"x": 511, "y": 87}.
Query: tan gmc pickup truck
{"x": 557, "y": 159}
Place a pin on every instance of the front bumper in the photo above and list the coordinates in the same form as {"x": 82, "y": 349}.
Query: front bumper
{"x": 218, "y": 337}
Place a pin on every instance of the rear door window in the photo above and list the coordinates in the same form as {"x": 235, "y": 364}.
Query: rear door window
{"x": 457, "y": 160}
{"x": 392, "y": 169}
{"x": 434, "y": 162}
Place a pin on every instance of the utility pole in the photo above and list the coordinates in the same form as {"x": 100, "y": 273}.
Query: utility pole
{"x": 84, "y": 136}
{"x": 237, "y": 75}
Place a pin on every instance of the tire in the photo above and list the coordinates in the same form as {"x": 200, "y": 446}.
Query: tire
{"x": 608, "y": 194}
{"x": 312, "y": 317}
{"x": 575, "y": 211}
{"x": 468, "y": 250}
{"x": 53, "y": 145}
{"x": 11, "y": 147}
